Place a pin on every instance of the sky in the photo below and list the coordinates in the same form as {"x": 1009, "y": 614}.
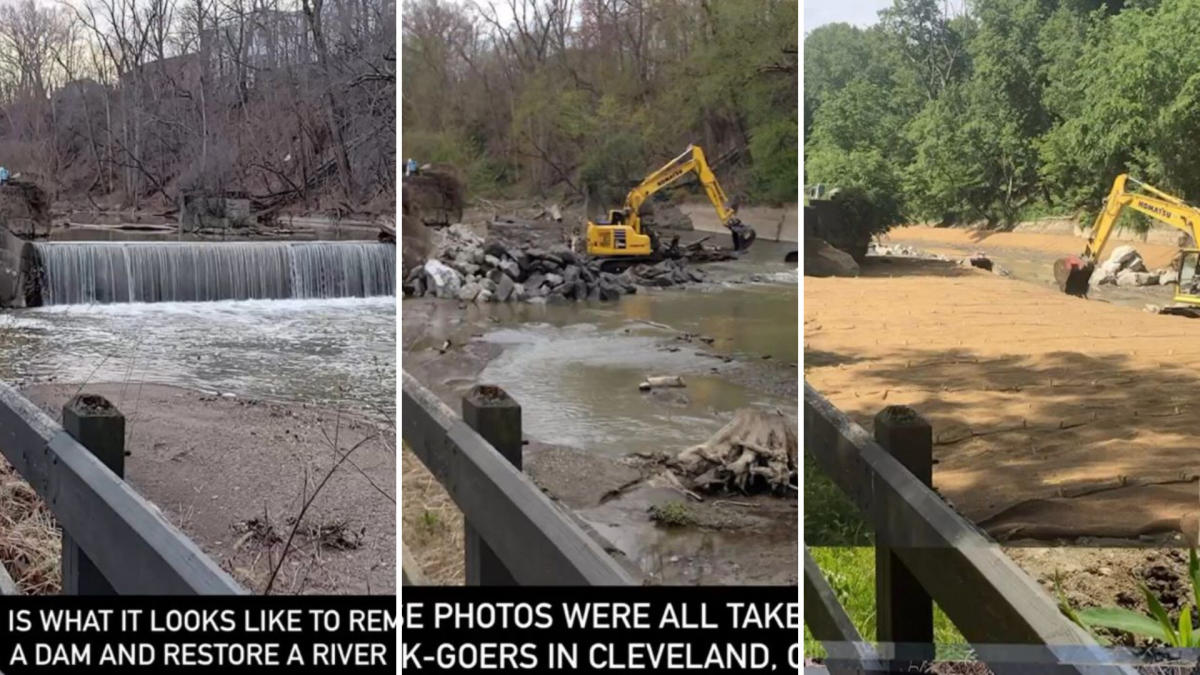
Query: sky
{"x": 861, "y": 13}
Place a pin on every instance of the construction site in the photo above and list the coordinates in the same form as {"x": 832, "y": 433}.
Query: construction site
{"x": 602, "y": 284}
{"x": 619, "y": 375}
{"x": 1000, "y": 297}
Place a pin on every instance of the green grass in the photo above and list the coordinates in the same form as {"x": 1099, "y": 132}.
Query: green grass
{"x": 841, "y": 543}
{"x": 830, "y": 518}
{"x": 850, "y": 572}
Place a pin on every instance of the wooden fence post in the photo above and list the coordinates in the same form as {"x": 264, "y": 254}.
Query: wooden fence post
{"x": 904, "y": 608}
{"x": 99, "y": 427}
{"x": 491, "y": 412}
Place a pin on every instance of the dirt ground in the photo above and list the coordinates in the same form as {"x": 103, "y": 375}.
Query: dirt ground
{"x": 233, "y": 474}
{"x": 1048, "y": 411}
{"x": 1062, "y": 426}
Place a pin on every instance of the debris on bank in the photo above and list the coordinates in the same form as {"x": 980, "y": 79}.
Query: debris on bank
{"x": 978, "y": 259}
{"x": 660, "y": 381}
{"x": 755, "y": 452}
{"x": 468, "y": 268}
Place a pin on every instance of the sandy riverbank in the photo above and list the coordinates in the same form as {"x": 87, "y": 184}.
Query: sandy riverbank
{"x": 231, "y": 472}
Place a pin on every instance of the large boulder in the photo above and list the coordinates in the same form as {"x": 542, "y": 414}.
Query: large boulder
{"x": 823, "y": 260}
{"x": 442, "y": 280}
{"x": 1123, "y": 261}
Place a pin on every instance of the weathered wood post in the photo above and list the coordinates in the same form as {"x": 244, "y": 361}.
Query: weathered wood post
{"x": 99, "y": 427}
{"x": 489, "y": 410}
{"x": 904, "y": 609}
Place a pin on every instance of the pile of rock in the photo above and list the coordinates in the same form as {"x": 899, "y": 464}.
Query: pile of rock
{"x": 901, "y": 251}
{"x": 469, "y": 269}
{"x": 1125, "y": 267}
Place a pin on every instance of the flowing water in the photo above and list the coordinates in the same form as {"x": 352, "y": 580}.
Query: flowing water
{"x": 338, "y": 352}
{"x": 575, "y": 368}
{"x": 116, "y": 272}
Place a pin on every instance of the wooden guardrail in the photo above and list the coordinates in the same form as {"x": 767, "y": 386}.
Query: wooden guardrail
{"x": 514, "y": 534}
{"x": 925, "y": 552}
{"x": 114, "y": 541}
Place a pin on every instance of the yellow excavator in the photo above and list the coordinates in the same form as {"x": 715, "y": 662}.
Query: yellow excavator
{"x": 1074, "y": 272}
{"x": 624, "y": 234}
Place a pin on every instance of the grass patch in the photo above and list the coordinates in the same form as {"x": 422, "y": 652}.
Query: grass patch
{"x": 841, "y": 543}
{"x": 672, "y": 514}
{"x": 433, "y": 525}
{"x": 830, "y": 518}
{"x": 850, "y": 572}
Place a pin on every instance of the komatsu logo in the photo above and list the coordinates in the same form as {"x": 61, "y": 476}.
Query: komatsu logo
{"x": 1154, "y": 209}
{"x": 669, "y": 177}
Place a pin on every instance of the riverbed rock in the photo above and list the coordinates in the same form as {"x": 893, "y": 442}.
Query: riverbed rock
{"x": 1131, "y": 278}
{"x": 570, "y": 273}
{"x": 484, "y": 296}
{"x": 511, "y": 268}
{"x": 981, "y": 261}
{"x": 823, "y": 260}
{"x": 441, "y": 279}
{"x": 554, "y": 280}
{"x": 1127, "y": 258}
{"x": 469, "y": 291}
{"x": 581, "y": 289}
{"x": 504, "y": 288}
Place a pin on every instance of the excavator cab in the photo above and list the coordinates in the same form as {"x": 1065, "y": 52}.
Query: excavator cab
{"x": 1187, "y": 282}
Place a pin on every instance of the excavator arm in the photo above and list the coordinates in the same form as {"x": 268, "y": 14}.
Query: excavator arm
{"x": 689, "y": 161}
{"x": 1073, "y": 273}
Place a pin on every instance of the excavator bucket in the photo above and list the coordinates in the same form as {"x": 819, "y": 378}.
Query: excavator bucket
{"x": 1073, "y": 274}
{"x": 743, "y": 235}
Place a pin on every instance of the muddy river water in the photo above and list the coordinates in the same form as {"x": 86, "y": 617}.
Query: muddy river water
{"x": 575, "y": 368}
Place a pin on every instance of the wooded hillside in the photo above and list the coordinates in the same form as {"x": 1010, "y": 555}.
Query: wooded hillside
{"x": 583, "y": 97}
{"x": 130, "y": 102}
{"x": 1006, "y": 109}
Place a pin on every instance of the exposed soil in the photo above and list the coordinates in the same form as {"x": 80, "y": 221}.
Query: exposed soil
{"x": 1042, "y": 405}
{"x": 1061, "y": 425}
{"x": 233, "y": 474}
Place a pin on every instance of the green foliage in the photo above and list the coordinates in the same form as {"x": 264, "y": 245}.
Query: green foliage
{"x": 672, "y": 514}
{"x": 605, "y": 97}
{"x": 850, "y": 572}
{"x": 1011, "y": 106}
{"x": 483, "y": 173}
{"x": 773, "y": 146}
{"x": 830, "y": 518}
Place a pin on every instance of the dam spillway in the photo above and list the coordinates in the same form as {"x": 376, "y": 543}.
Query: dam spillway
{"x": 110, "y": 272}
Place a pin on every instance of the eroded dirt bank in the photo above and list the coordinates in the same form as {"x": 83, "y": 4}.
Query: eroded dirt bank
{"x": 233, "y": 474}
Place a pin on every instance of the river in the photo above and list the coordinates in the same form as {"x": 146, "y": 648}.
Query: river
{"x": 338, "y": 351}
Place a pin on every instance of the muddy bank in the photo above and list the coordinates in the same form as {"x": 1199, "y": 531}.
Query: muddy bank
{"x": 231, "y": 472}
{"x": 725, "y": 540}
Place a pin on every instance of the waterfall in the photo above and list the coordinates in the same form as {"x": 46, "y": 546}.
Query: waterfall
{"x": 104, "y": 272}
